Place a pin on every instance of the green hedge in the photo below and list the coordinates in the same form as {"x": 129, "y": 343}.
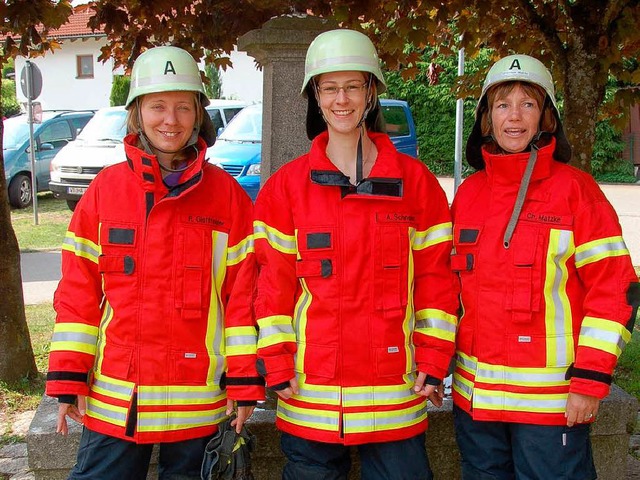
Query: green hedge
{"x": 8, "y": 103}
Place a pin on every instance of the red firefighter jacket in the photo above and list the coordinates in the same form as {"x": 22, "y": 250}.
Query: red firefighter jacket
{"x": 154, "y": 304}
{"x": 550, "y": 314}
{"x": 354, "y": 294}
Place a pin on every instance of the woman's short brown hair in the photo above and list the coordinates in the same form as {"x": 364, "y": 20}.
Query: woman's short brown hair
{"x": 548, "y": 121}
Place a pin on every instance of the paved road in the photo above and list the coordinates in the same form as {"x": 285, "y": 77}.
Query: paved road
{"x": 41, "y": 270}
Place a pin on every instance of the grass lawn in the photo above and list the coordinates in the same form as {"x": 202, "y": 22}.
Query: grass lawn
{"x": 53, "y": 219}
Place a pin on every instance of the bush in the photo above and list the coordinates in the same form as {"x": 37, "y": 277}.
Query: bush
{"x": 8, "y": 103}
{"x": 607, "y": 163}
{"x": 119, "y": 90}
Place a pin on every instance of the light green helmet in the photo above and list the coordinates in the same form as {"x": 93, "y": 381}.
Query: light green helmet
{"x": 342, "y": 51}
{"x": 165, "y": 69}
{"x": 520, "y": 68}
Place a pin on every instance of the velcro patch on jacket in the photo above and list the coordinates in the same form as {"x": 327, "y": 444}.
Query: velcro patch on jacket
{"x": 468, "y": 235}
{"x": 121, "y": 236}
{"x": 116, "y": 264}
{"x": 318, "y": 240}
{"x": 461, "y": 262}
{"x": 314, "y": 268}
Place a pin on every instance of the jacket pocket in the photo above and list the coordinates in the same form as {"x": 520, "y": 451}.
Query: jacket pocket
{"x": 320, "y": 361}
{"x": 525, "y": 295}
{"x": 391, "y": 282}
{"x": 193, "y": 270}
{"x": 391, "y": 361}
{"x": 116, "y": 361}
{"x": 465, "y": 241}
{"x": 317, "y": 258}
{"x": 190, "y": 367}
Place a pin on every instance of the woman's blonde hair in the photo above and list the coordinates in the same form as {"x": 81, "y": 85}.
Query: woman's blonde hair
{"x": 548, "y": 121}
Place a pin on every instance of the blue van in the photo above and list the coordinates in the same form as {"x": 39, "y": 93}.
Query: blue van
{"x": 238, "y": 149}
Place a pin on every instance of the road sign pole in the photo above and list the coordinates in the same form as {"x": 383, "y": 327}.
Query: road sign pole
{"x": 32, "y": 153}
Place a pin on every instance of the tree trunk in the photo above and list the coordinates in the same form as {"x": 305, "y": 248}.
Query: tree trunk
{"x": 16, "y": 354}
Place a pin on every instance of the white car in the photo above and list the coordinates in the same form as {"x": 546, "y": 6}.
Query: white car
{"x": 100, "y": 144}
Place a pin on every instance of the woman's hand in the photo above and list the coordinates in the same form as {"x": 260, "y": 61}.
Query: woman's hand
{"x": 435, "y": 393}
{"x": 581, "y": 408}
{"x": 290, "y": 390}
{"x": 74, "y": 412}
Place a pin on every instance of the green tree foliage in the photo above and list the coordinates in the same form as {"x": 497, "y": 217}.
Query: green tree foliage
{"x": 8, "y": 103}
{"x": 214, "y": 86}
{"x": 119, "y": 90}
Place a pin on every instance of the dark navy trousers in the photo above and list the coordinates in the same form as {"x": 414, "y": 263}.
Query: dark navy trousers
{"x": 518, "y": 451}
{"x": 102, "y": 457}
{"x": 400, "y": 460}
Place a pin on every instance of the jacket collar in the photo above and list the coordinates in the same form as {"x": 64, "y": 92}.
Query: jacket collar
{"x": 510, "y": 168}
{"x": 147, "y": 168}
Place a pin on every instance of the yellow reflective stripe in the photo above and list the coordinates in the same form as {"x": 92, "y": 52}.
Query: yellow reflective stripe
{"x": 467, "y": 363}
{"x": 603, "y": 334}
{"x": 370, "y": 396}
{"x": 434, "y": 235}
{"x": 275, "y": 329}
{"x": 277, "y": 240}
{"x": 241, "y": 340}
{"x": 309, "y": 417}
{"x": 237, "y": 253}
{"x": 112, "y": 387}
{"x": 596, "y": 250}
{"x": 463, "y": 386}
{"x": 105, "y": 412}
{"x": 300, "y": 324}
{"x": 522, "y": 376}
{"x": 519, "y": 402}
{"x": 107, "y": 317}
{"x": 214, "y": 338}
{"x": 81, "y": 247}
{"x": 558, "y": 323}
{"x": 174, "y": 395}
{"x": 363, "y": 422}
{"x": 74, "y": 337}
{"x": 178, "y": 420}
{"x": 436, "y": 323}
{"x": 320, "y": 394}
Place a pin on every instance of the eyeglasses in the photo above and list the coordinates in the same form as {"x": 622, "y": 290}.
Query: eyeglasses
{"x": 351, "y": 90}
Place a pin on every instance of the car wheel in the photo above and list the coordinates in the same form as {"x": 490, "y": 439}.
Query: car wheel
{"x": 20, "y": 191}
{"x": 72, "y": 204}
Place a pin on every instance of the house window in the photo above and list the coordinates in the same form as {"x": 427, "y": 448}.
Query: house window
{"x": 85, "y": 66}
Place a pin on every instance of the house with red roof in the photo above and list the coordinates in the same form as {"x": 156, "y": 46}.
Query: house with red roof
{"x": 73, "y": 78}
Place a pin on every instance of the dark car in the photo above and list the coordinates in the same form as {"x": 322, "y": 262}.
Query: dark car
{"x": 54, "y": 131}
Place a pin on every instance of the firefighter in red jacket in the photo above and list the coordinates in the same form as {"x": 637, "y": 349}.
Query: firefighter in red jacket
{"x": 154, "y": 322}
{"x": 549, "y": 293}
{"x": 355, "y": 305}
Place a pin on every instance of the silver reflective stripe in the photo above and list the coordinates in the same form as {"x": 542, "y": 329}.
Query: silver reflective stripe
{"x": 113, "y": 387}
{"x": 520, "y": 402}
{"x": 303, "y": 302}
{"x": 432, "y": 236}
{"x": 173, "y": 397}
{"x": 172, "y": 419}
{"x": 600, "y": 335}
{"x": 330, "y": 397}
{"x": 74, "y": 337}
{"x": 275, "y": 330}
{"x": 555, "y": 378}
{"x": 81, "y": 247}
{"x": 237, "y": 340}
{"x": 468, "y": 389}
{"x": 119, "y": 417}
{"x": 376, "y": 396}
{"x": 435, "y": 323}
{"x": 563, "y": 357}
{"x": 376, "y": 420}
{"x": 600, "y": 249}
{"x": 220, "y": 242}
{"x": 246, "y": 247}
{"x": 274, "y": 239}
{"x": 467, "y": 362}
{"x": 312, "y": 418}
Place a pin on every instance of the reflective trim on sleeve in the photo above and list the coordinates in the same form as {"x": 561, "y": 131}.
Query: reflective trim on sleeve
{"x": 603, "y": 334}
{"x": 275, "y": 329}
{"x": 74, "y": 337}
{"x": 81, "y": 247}
{"x": 241, "y": 340}
{"x": 237, "y": 253}
{"x": 598, "y": 249}
{"x": 434, "y": 235}
{"x": 436, "y": 323}
{"x": 276, "y": 239}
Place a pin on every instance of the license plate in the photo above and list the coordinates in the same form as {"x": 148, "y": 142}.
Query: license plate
{"x": 76, "y": 190}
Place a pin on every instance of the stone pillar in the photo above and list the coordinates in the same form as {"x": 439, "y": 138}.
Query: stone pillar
{"x": 280, "y": 46}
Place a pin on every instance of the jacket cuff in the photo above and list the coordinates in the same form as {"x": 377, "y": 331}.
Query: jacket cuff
{"x": 276, "y": 370}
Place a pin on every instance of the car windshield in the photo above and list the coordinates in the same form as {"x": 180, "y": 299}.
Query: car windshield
{"x": 106, "y": 125}
{"x": 246, "y": 126}
{"x": 16, "y": 132}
